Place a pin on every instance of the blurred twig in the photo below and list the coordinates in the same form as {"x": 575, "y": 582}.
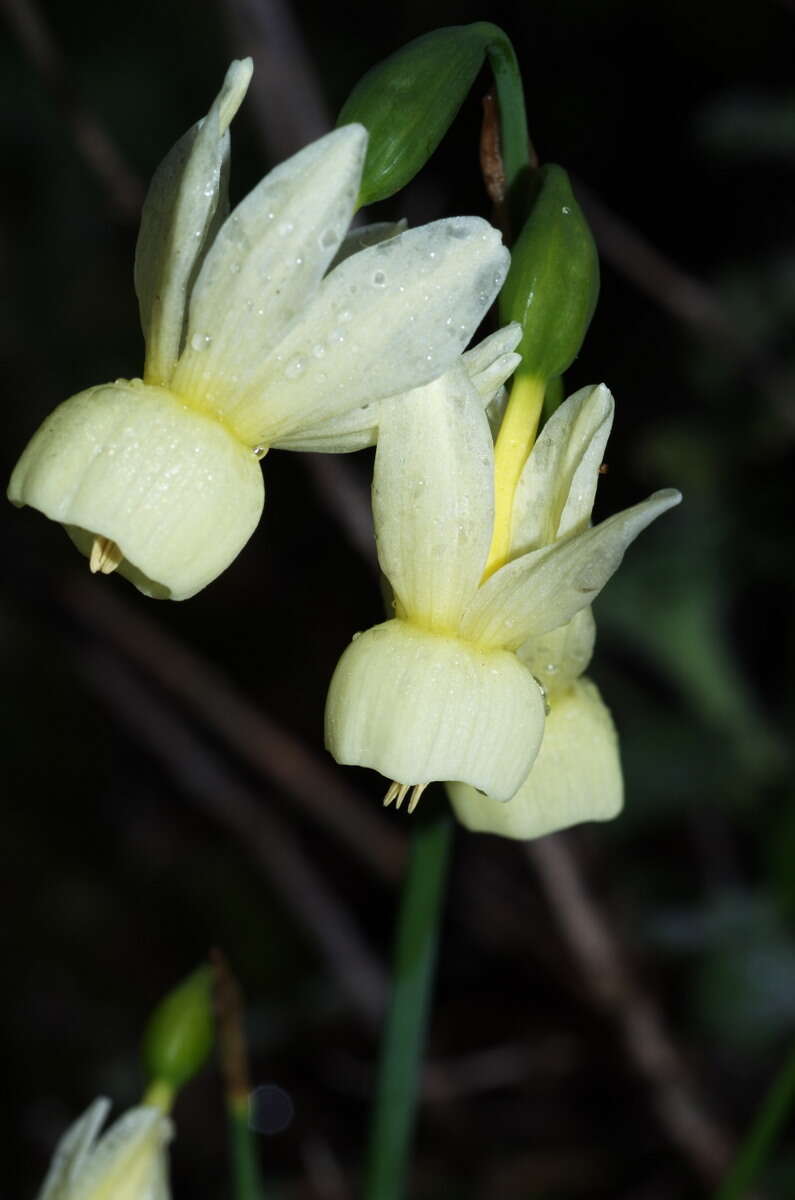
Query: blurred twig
{"x": 211, "y": 787}
{"x": 613, "y": 989}
{"x": 288, "y": 103}
{"x": 122, "y": 187}
{"x": 276, "y": 755}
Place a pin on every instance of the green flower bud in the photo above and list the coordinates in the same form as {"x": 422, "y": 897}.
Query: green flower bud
{"x": 408, "y": 102}
{"x": 179, "y": 1036}
{"x": 553, "y": 283}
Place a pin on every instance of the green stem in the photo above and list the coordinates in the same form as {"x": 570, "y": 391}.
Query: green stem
{"x": 245, "y": 1164}
{"x": 404, "y": 1034}
{"x": 753, "y": 1153}
{"x": 517, "y": 151}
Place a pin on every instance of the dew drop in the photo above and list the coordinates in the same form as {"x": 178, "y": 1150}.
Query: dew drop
{"x": 379, "y": 279}
{"x": 346, "y": 315}
{"x": 329, "y": 238}
{"x": 299, "y": 262}
{"x": 200, "y": 341}
{"x": 285, "y": 228}
{"x": 456, "y": 230}
{"x": 565, "y": 210}
{"x": 235, "y": 268}
{"x": 319, "y": 350}
{"x": 337, "y": 336}
{"x": 294, "y": 368}
{"x": 259, "y": 451}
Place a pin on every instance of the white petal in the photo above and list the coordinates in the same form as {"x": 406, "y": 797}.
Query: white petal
{"x": 488, "y": 365}
{"x": 127, "y": 1163}
{"x": 502, "y": 341}
{"x": 420, "y": 707}
{"x": 556, "y": 490}
{"x": 433, "y": 500}
{"x": 367, "y": 235}
{"x": 386, "y": 320}
{"x": 172, "y": 488}
{"x": 186, "y": 199}
{"x": 576, "y": 776}
{"x": 545, "y": 588}
{"x": 72, "y": 1151}
{"x": 266, "y": 261}
{"x": 560, "y": 656}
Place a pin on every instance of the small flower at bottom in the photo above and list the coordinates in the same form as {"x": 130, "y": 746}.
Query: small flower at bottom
{"x": 441, "y": 692}
{"x": 128, "y": 1162}
{"x": 263, "y": 328}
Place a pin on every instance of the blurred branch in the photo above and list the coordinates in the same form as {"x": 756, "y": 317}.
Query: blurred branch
{"x": 213, "y": 789}
{"x": 614, "y": 990}
{"x": 121, "y": 186}
{"x": 286, "y": 98}
{"x": 273, "y": 752}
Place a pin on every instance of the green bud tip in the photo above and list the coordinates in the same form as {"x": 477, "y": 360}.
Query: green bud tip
{"x": 180, "y": 1033}
{"x": 553, "y": 284}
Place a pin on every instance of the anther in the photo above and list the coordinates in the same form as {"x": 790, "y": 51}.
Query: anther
{"x": 401, "y": 796}
{"x": 392, "y": 791}
{"x": 416, "y": 792}
{"x": 105, "y": 556}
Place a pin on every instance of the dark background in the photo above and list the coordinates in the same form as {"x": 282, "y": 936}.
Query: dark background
{"x": 128, "y": 852}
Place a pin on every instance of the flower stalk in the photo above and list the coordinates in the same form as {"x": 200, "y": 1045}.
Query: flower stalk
{"x": 403, "y": 1042}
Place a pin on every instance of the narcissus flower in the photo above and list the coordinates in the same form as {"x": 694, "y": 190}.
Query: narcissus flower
{"x": 128, "y": 1162}
{"x": 252, "y": 342}
{"x": 446, "y": 690}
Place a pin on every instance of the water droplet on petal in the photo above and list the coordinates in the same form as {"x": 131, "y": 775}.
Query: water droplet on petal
{"x": 379, "y": 279}
{"x": 285, "y": 228}
{"x": 329, "y": 238}
{"x": 294, "y": 368}
{"x": 200, "y": 341}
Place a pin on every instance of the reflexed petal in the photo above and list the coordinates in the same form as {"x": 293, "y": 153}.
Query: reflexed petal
{"x": 556, "y": 490}
{"x": 183, "y": 208}
{"x": 432, "y": 499}
{"x": 386, "y": 320}
{"x": 72, "y": 1151}
{"x": 559, "y": 657}
{"x": 545, "y": 588}
{"x": 492, "y": 361}
{"x": 172, "y": 488}
{"x": 265, "y": 263}
{"x": 488, "y": 365}
{"x": 576, "y": 776}
{"x": 127, "y": 1162}
{"x": 419, "y": 707}
{"x": 367, "y": 235}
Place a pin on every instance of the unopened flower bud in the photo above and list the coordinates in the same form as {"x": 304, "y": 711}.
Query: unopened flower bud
{"x": 179, "y": 1036}
{"x": 553, "y": 283}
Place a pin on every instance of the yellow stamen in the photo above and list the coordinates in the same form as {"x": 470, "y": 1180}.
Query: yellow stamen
{"x": 105, "y": 556}
{"x": 401, "y": 796}
{"x": 392, "y": 791}
{"x": 416, "y": 792}
{"x": 513, "y": 445}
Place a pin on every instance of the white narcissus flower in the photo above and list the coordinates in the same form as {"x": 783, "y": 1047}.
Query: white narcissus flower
{"x": 577, "y": 774}
{"x": 252, "y": 342}
{"x": 128, "y": 1162}
{"x": 441, "y": 692}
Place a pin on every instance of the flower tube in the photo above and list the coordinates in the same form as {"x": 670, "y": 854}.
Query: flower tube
{"x": 262, "y": 330}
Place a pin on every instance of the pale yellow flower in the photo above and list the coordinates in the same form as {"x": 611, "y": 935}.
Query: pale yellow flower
{"x": 446, "y": 689}
{"x": 127, "y": 1162}
{"x": 263, "y": 328}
